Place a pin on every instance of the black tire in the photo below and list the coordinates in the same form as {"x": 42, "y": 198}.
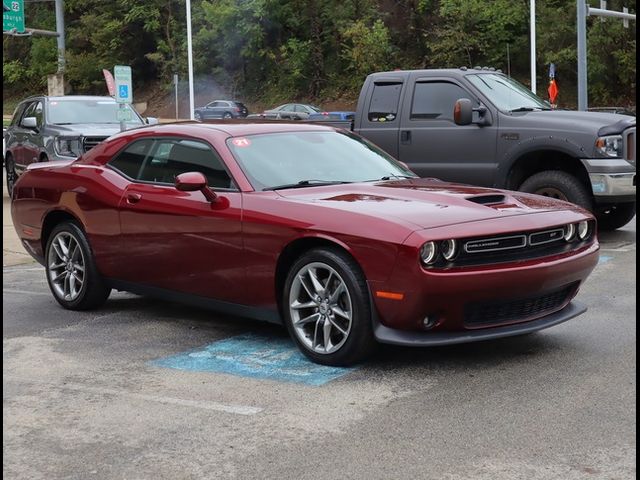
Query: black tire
{"x": 93, "y": 291}
{"x": 227, "y": 115}
{"x": 616, "y": 216}
{"x": 11, "y": 173}
{"x": 560, "y": 185}
{"x": 198, "y": 116}
{"x": 356, "y": 341}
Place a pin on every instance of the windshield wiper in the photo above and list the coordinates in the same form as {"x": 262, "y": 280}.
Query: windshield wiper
{"x": 305, "y": 183}
{"x": 528, "y": 109}
{"x": 391, "y": 177}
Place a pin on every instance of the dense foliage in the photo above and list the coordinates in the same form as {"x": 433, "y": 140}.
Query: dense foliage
{"x": 273, "y": 50}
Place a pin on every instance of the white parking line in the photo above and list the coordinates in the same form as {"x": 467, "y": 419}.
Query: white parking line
{"x": 25, "y": 292}
{"x": 219, "y": 407}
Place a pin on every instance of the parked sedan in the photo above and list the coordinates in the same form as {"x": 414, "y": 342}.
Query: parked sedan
{"x": 290, "y": 111}
{"x": 221, "y": 109}
{"x": 307, "y": 226}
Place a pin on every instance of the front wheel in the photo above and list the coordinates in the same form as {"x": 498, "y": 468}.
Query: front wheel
{"x": 198, "y": 116}
{"x": 72, "y": 275}
{"x": 11, "y": 174}
{"x": 326, "y": 307}
{"x": 616, "y": 216}
{"x": 560, "y": 185}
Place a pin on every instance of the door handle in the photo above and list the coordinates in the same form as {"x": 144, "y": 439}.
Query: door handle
{"x": 133, "y": 198}
{"x": 405, "y": 136}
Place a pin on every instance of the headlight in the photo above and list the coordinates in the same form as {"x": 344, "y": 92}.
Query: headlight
{"x": 583, "y": 229}
{"x": 449, "y": 249}
{"x": 569, "y": 232}
{"x": 611, "y": 145}
{"x": 67, "y": 146}
{"x": 428, "y": 253}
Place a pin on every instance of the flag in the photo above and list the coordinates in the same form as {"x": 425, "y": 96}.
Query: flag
{"x": 553, "y": 87}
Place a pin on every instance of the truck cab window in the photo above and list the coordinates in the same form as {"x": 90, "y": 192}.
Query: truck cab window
{"x": 384, "y": 102}
{"x": 435, "y": 100}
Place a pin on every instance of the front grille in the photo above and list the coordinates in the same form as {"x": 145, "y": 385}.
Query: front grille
{"x": 89, "y": 142}
{"x": 630, "y": 146}
{"x": 512, "y": 311}
{"x": 512, "y": 247}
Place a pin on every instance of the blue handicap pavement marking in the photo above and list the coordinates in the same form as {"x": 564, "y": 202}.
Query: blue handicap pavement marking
{"x": 250, "y": 355}
{"x": 604, "y": 259}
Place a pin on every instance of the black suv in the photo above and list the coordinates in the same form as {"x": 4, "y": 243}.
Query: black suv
{"x": 61, "y": 128}
{"x": 221, "y": 109}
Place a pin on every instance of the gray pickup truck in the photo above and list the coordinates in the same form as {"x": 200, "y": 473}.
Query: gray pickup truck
{"x": 479, "y": 126}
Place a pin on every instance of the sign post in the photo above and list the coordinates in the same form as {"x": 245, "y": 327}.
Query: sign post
{"x": 13, "y": 16}
{"x": 124, "y": 93}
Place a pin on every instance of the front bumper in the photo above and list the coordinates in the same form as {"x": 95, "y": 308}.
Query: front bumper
{"x": 432, "y": 339}
{"x": 611, "y": 178}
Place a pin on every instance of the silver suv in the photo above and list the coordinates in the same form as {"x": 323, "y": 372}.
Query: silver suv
{"x": 60, "y": 128}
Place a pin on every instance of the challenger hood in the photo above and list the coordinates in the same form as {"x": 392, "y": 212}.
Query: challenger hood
{"x": 424, "y": 202}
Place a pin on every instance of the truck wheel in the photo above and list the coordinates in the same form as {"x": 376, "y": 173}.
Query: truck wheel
{"x": 616, "y": 216}
{"x": 11, "y": 174}
{"x": 560, "y": 185}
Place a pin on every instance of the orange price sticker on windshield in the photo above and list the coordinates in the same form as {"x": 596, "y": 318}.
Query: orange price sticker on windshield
{"x": 241, "y": 142}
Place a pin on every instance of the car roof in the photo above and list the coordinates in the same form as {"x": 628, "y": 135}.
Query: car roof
{"x": 69, "y": 97}
{"x": 242, "y": 127}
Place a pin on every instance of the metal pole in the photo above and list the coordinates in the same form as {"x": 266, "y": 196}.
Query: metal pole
{"x": 508, "y": 62}
{"x": 532, "y": 22}
{"x": 175, "y": 83}
{"x": 123, "y": 125}
{"x": 581, "y": 22}
{"x": 60, "y": 31}
{"x": 599, "y": 12}
{"x": 190, "y": 60}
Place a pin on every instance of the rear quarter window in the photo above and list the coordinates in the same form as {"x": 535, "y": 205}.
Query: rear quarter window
{"x": 384, "y": 102}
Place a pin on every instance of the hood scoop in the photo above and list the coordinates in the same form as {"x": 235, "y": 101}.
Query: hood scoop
{"x": 489, "y": 200}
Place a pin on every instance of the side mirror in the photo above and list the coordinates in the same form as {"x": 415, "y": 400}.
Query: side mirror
{"x": 151, "y": 120}
{"x": 463, "y": 112}
{"x": 29, "y": 122}
{"x": 193, "y": 182}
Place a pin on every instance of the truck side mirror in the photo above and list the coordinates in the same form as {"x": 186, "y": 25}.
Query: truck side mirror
{"x": 463, "y": 112}
{"x": 29, "y": 122}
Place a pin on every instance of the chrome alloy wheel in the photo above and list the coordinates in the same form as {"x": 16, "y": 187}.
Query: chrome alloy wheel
{"x": 320, "y": 307}
{"x": 66, "y": 266}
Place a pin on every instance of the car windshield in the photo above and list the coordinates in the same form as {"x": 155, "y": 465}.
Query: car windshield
{"x": 73, "y": 111}
{"x": 289, "y": 159}
{"x": 507, "y": 94}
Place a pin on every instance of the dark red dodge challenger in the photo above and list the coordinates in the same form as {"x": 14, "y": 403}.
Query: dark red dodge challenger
{"x": 305, "y": 225}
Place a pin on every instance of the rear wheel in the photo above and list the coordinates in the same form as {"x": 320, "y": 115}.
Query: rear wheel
{"x": 10, "y": 168}
{"x": 326, "y": 306}
{"x": 227, "y": 115}
{"x": 560, "y": 185}
{"x": 71, "y": 271}
{"x": 616, "y": 216}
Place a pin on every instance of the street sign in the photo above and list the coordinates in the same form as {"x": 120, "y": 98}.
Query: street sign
{"x": 124, "y": 88}
{"x": 13, "y": 15}
{"x": 124, "y": 114}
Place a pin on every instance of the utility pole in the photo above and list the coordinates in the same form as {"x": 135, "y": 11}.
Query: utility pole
{"x": 60, "y": 39}
{"x": 585, "y": 10}
{"x": 190, "y": 60}
{"x": 532, "y": 22}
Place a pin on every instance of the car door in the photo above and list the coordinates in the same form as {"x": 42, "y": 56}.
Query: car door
{"x": 32, "y": 145}
{"x": 15, "y": 134}
{"x": 433, "y": 145}
{"x": 212, "y": 110}
{"x": 22, "y": 134}
{"x": 175, "y": 240}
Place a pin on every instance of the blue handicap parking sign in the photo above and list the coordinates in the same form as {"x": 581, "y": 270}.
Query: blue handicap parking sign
{"x": 123, "y": 91}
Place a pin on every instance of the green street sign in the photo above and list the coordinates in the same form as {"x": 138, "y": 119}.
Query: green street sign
{"x": 13, "y": 15}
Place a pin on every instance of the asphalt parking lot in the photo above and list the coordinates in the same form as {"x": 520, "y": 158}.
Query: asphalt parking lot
{"x": 124, "y": 392}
